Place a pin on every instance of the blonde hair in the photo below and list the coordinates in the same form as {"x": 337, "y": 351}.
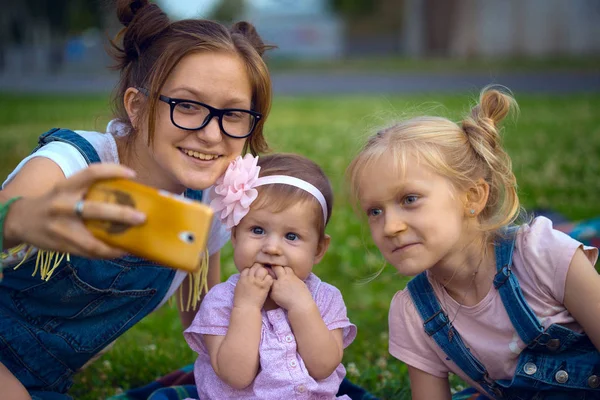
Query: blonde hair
{"x": 463, "y": 153}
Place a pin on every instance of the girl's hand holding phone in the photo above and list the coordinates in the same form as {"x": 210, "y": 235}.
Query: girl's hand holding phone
{"x": 52, "y": 222}
{"x": 174, "y": 233}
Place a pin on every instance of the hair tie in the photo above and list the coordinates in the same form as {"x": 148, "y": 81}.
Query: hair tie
{"x": 236, "y": 190}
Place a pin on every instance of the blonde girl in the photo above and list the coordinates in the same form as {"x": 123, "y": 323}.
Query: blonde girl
{"x": 513, "y": 310}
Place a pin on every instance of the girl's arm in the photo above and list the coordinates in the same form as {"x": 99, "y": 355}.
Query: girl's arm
{"x": 425, "y": 386}
{"x": 45, "y": 216}
{"x": 214, "y": 277}
{"x": 582, "y": 295}
{"x": 234, "y": 357}
{"x": 11, "y": 387}
{"x": 36, "y": 178}
{"x": 320, "y": 348}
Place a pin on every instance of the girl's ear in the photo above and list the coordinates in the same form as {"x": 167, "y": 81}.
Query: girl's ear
{"x": 322, "y": 249}
{"x": 133, "y": 105}
{"x": 477, "y": 197}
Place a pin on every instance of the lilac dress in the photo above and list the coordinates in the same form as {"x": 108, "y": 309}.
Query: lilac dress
{"x": 282, "y": 373}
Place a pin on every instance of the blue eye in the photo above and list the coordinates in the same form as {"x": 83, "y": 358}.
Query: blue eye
{"x": 257, "y": 230}
{"x": 408, "y": 200}
{"x": 291, "y": 236}
{"x": 374, "y": 212}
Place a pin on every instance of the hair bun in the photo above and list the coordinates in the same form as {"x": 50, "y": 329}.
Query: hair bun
{"x": 481, "y": 126}
{"x": 494, "y": 105}
{"x": 143, "y": 21}
{"x": 248, "y": 30}
{"x": 128, "y": 9}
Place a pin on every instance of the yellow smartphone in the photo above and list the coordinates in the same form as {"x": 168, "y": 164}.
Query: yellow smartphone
{"x": 175, "y": 231}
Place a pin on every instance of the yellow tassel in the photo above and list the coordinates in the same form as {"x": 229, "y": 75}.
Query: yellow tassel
{"x": 198, "y": 285}
{"x": 37, "y": 263}
{"x": 57, "y": 262}
{"x": 12, "y": 251}
{"x": 25, "y": 257}
{"x": 48, "y": 261}
{"x": 44, "y": 262}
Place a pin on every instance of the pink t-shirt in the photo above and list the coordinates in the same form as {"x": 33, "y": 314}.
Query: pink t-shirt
{"x": 541, "y": 259}
{"x": 282, "y": 373}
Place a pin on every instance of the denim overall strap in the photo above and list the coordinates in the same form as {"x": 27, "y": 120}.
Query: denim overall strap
{"x": 67, "y": 136}
{"x": 193, "y": 194}
{"x": 438, "y": 327}
{"x": 88, "y": 151}
{"x": 521, "y": 316}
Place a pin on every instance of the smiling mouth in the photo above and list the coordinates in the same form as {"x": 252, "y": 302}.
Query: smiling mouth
{"x": 198, "y": 155}
{"x": 404, "y": 247}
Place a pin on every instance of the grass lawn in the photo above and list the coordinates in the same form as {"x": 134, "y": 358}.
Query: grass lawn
{"x": 555, "y": 145}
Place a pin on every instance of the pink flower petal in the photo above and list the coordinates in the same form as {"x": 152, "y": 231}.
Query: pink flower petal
{"x": 234, "y": 191}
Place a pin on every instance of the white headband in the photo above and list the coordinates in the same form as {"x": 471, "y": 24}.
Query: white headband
{"x": 299, "y": 183}
{"x": 235, "y": 191}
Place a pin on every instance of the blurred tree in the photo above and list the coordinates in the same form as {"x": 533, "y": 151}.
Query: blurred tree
{"x": 353, "y": 8}
{"x": 57, "y": 19}
{"x": 67, "y": 16}
{"x": 372, "y": 26}
{"x": 440, "y": 17}
{"x": 53, "y": 14}
{"x": 228, "y": 11}
{"x": 85, "y": 14}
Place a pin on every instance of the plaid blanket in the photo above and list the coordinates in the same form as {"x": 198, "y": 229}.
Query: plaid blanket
{"x": 180, "y": 385}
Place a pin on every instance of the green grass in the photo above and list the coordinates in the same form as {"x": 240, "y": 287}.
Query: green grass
{"x": 555, "y": 145}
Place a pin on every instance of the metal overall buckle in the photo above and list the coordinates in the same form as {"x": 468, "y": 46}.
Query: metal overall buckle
{"x": 445, "y": 321}
{"x": 502, "y": 276}
{"x": 545, "y": 339}
{"x": 493, "y": 387}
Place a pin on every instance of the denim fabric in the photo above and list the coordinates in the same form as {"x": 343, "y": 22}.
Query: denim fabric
{"x": 41, "y": 395}
{"x": 64, "y": 135}
{"x": 49, "y": 329}
{"x": 551, "y": 355}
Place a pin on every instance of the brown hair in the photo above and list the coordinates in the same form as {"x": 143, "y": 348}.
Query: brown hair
{"x": 283, "y": 196}
{"x": 463, "y": 153}
{"x": 152, "y": 45}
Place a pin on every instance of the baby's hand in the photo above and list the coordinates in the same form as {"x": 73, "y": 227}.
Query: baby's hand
{"x": 253, "y": 287}
{"x": 288, "y": 290}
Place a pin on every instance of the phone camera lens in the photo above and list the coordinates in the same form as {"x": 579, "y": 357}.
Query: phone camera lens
{"x": 187, "y": 237}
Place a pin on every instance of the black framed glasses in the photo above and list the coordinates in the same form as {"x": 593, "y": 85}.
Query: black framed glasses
{"x": 193, "y": 115}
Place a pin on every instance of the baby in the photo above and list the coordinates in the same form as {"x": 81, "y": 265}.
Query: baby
{"x": 274, "y": 330}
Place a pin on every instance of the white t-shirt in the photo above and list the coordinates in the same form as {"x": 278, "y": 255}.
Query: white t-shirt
{"x": 70, "y": 160}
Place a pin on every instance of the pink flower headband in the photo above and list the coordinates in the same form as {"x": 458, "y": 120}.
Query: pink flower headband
{"x": 235, "y": 191}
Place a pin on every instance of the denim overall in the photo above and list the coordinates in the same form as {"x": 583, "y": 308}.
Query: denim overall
{"x": 48, "y": 330}
{"x": 557, "y": 362}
